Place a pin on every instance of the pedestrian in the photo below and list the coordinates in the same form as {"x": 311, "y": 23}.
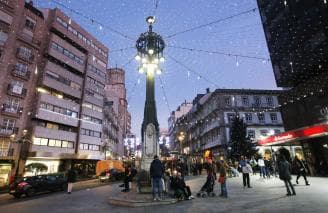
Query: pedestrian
{"x": 199, "y": 168}
{"x": 223, "y": 179}
{"x": 246, "y": 169}
{"x": 156, "y": 173}
{"x": 284, "y": 174}
{"x": 131, "y": 173}
{"x": 71, "y": 178}
{"x": 261, "y": 164}
{"x": 253, "y": 163}
{"x": 180, "y": 187}
{"x": 301, "y": 170}
{"x": 181, "y": 168}
{"x": 267, "y": 165}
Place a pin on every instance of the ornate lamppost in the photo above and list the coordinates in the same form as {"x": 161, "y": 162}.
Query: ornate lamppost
{"x": 150, "y": 46}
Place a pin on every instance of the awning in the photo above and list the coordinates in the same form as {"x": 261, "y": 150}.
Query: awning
{"x": 295, "y": 135}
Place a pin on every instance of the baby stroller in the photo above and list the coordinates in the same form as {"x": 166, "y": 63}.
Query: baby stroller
{"x": 207, "y": 188}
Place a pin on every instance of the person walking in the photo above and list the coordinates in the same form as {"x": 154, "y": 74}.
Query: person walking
{"x": 71, "y": 178}
{"x": 261, "y": 164}
{"x": 246, "y": 169}
{"x": 156, "y": 173}
{"x": 253, "y": 163}
{"x": 284, "y": 174}
{"x": 301, "y": 170}
{"x": 223, "y": 179}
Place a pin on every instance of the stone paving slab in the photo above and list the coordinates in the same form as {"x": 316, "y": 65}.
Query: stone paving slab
{"x": 266, "y": 196}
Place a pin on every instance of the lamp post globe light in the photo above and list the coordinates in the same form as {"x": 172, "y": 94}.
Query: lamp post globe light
{"x": 150, "y": 46}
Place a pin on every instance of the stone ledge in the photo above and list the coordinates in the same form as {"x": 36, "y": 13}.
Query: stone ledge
{"x": 139, "y": 203}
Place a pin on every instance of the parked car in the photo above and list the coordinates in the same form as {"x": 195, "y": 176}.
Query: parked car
{"x": 111, "y": 175}
{"x": 36, "y": 184}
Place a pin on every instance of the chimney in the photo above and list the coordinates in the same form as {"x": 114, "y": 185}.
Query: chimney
{"x": 207, "y": 90}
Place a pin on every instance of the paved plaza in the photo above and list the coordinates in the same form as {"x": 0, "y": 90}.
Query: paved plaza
{"x": 265, "y": 196}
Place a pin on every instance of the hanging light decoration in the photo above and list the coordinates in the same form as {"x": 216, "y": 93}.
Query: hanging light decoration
{"x": 150, "y": 48}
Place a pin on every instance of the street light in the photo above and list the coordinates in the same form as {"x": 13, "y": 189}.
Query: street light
{"x": 150, "y": 46}
{"x": 23, "y": 143}
{"x": 181, "y": 137}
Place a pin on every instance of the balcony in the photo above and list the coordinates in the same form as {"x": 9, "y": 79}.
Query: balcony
{"x": 26, "y": 57}
{"x": 11, "y": 111}
{"x": 5, "y": 152}
{"x": 7, "y": 6}
{"x": 7, "y": 131}
{"x": 16, "y": 91}
{"x": 23, "y": 74}
{"x": 29, "y": 39}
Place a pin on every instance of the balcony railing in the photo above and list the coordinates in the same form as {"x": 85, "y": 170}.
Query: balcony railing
{"x": 7, "y": 5}
{"x": 11, "y": 90}
{"x": 30, "y": 39}
{"x": 27, "y": 58}
{"x": 24, "y": 74}
{"x": 7, "y": 131}
{"x": 8, "y": 109}
{"x": 5, "y": 152}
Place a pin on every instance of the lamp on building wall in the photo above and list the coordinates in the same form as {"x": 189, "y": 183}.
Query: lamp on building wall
{"x": 181, "y": 137}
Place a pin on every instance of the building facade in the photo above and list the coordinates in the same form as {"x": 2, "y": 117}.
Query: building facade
{"x": 296, "y": 34}
{"x": 182, "y": 110}
{"x": 207, "y": 125}
{"x": 115, "y": 92}
{"x": 20, "y": 52}
{"x": 53, "y": 86}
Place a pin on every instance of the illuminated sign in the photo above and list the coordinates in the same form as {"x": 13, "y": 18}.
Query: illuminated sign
{"x": 313, "y": 131}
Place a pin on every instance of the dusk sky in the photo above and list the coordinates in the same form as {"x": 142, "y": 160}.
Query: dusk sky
{"x": 240, "y": 35}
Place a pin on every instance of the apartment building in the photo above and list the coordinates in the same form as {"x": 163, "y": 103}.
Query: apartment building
{"x": 207, "y": 125}
{"x": 115, "y": 92}
{"x": 21, "y": 45}
{"x": 183, "y": 109}
{"x": 54, "y": 74}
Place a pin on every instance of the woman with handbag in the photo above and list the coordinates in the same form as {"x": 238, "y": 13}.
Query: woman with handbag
{"x": 223, "y": 179}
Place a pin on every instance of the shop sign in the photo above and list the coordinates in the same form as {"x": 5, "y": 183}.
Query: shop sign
{"x": 313, "y": 131}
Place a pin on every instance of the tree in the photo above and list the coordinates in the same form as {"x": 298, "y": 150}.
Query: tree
{"x": 240, "y": 143}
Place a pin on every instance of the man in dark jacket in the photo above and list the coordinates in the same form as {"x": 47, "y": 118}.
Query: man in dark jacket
{"x": 156, "y": 173}
{"x": 284, "y": 174}
{"x": 301, "y": 169}
{"x": 71, "y": 178}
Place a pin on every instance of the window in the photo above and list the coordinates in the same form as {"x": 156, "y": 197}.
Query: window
{"x": 227, "y": 101}
{"x": 25, "y": 52}
{"x": 21, "y": 68}
{"x": 12, "y": 105}
{"x": 59, "y": 110}
{"x": 264, "y": 132}
{"x": 52, "y": 142}
{"x": 37, "y": 141}
{"x": 273, "y": 117}
{"x": 230, "y": 116}
{"x": 251, "y": 133}
{"x": 17, "y": 87}
{"x": 269, "y": 101}
{"x": 248, "y": 117}
{"x": 52, "y": 126}
{"x": 44, "y": 142}
{"x": 261, "y": 117}
{"x": 66, "y": 53}
{"x": 29, "y": 24}
{"x": 245, "y": 100}
{"x": 257, "y": 101}
{"x": 277, "y": 131}
{"x": 75, "y": 85}
{"x": 3, "y": 37}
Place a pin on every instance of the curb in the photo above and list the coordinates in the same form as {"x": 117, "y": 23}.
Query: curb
{"x": 139, "y": 203}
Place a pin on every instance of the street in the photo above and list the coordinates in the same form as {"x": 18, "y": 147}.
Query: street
{"x": 266, "y": 196}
